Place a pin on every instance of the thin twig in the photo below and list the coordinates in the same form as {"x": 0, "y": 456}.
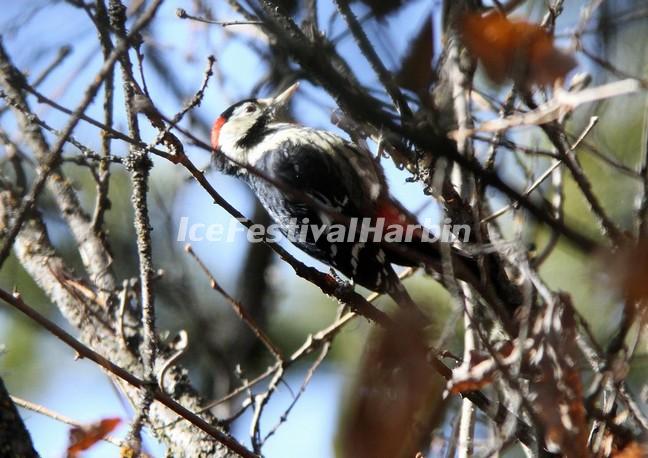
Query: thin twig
{"x": 260, "y": 401}
{"x": 309, "y": 375}
{"x": 139, "y": 164}
{"x": 182, "y": 14}
{"x": 465, "y": 439}
{"x": 612, "y": 69}
{"x": 102, "y": 203}
{"x": 58, "y": 417}
{"x": 544, "y": 175}
{"x": 11, "y": 79}
{"x": 386, "y": 78}
{"x": 556, "y": 135}
{"x": 61, "y": 55}
{"x": 86, "y": 352}
{"x": 238, "y": 307}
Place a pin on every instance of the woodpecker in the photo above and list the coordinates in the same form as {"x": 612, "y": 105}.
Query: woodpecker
{"x": 329, "y": 177}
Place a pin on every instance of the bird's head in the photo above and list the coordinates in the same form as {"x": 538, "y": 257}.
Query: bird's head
{"x": 243, "y": 125}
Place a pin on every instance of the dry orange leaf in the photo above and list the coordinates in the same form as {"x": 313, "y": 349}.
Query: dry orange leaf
{"x": 84, "y": 437}
{"x": 517, "y": 50}
{"x": 466, "y": 386}
{"x": 478, "y": 371}
{"x": 632, "y": 450}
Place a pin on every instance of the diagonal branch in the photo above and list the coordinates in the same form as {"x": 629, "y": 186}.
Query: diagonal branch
{"x": 86, "y": 352}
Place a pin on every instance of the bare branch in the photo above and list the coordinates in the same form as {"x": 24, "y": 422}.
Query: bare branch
{"x": 86, "y": 352}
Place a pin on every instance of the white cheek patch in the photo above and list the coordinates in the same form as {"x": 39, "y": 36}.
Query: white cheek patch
{"x": 231, "y": 133}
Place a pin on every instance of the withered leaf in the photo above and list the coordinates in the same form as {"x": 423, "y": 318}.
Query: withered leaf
{"x": 396, "y": 398}
{"x": 632, "y": 450}
{"x": 381, "y": 8}
{"x": 84, "y": 437}
{"x": 479, "y": 370}
{"x": 629, "y": 267}
{"x": 517, "y": 50}
{"x": 416, "y": 71}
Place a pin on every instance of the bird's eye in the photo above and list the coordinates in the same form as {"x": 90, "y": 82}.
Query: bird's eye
{"x": 250, "y": 109}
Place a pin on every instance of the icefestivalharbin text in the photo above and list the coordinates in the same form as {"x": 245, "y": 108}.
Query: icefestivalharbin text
{"x": 354, "y": 230}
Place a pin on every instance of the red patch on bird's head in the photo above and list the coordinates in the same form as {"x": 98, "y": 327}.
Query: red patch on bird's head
{"x": 215, "y": 132}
